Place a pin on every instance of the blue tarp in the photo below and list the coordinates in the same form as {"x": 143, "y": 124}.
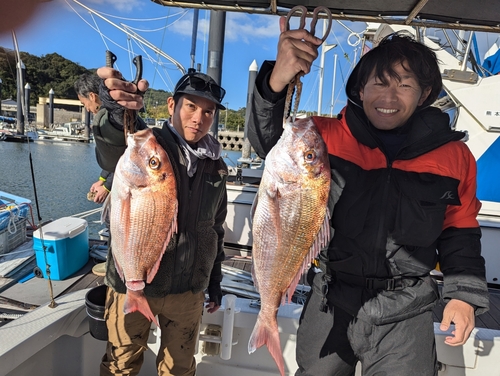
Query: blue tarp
{"x": 488, "y": 173}
{"x": 7, "y": 119}
{"x": 492, "y": 63}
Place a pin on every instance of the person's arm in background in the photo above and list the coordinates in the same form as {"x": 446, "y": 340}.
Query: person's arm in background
{"x": 102, "y": 187}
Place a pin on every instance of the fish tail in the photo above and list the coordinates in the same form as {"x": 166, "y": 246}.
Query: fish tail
{"x": 267, "y": 334}
{"x": 136, "y": 301}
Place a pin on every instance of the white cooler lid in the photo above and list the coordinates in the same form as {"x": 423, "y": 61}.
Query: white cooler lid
{"x": 62, "y": 228}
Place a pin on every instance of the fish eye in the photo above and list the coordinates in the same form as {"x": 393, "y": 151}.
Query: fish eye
{"x": 310, "y": 156}
{"x": 154, "y": 163}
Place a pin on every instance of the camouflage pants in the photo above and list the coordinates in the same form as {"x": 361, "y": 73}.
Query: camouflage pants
{"x": 179, "y": 316}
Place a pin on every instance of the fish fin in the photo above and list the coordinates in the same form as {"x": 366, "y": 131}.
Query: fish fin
{"x": 321, "y": 241}
{"x": 171, "y": 231}
{"x": 267, "y": 334}
{"x": 117, "y": 266}
{"x": 270, "y": 201}
{"x": 136, "y": 301}
{"x": 152, "y": 272}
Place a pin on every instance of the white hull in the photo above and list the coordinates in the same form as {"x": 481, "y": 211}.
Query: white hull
{"x": 56, "y": 341}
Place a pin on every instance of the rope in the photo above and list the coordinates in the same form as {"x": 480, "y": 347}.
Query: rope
{"x": 13, "y": 218}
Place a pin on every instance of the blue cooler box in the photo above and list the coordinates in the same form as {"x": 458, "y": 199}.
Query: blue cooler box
{"x": 67, "y": 247}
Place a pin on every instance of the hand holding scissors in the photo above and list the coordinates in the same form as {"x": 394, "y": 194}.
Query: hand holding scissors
{"x": 297, "y": 49}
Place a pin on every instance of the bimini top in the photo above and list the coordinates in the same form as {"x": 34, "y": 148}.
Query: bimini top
{"x": 480, "y": 15}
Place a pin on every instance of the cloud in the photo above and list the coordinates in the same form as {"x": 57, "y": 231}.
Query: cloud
{"x": 246, "y": 28}
{"x": 125, "y": 6}
{"x": 240, "y": 27}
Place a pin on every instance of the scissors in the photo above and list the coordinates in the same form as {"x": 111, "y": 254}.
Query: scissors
{"x": 295, "y": 82}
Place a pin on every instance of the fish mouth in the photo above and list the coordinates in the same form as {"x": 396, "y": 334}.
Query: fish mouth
{"x": 135, "y": 284}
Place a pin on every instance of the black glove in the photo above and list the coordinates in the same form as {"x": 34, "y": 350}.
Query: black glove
{"x": 115, "y": 111}
{"x": 311, "y": 273}
{"x": 215, "y": 293}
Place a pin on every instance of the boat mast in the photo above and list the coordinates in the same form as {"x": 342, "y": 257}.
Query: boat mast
{"x": 215, "y": 53}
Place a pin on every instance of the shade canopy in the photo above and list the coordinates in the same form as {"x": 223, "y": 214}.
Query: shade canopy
{"x": 480, "y": 15}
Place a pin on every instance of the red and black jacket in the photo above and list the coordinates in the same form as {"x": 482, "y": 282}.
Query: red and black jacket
{"x": 396, "y": 217}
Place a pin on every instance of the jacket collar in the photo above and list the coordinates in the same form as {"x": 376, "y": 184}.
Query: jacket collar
{"x": 428, "y": 129}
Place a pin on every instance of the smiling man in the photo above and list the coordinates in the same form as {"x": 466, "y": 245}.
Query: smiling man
{"x": 192, "y": 261}
{"x": 407, "y": 186}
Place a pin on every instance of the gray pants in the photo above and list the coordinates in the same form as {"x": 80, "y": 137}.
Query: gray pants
{"x": 331, "y": 343}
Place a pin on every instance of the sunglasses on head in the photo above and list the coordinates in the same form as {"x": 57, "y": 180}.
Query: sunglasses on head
{"x": 198, "y": 83}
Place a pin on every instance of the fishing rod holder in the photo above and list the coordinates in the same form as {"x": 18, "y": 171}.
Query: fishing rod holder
{"x": 219, "y": 340}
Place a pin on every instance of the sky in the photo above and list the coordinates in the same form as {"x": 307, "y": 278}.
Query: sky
{"x": 69, "y": 29}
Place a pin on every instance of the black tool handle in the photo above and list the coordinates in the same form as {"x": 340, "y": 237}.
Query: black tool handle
{"x": 138, "y": 69}
{"x": 110, "y": 59}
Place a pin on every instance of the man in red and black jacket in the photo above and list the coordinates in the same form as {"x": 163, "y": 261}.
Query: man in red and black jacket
{"x": 407, "y": 187}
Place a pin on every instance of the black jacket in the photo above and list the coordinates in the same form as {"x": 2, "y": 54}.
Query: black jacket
{"x": 193, "y": 258}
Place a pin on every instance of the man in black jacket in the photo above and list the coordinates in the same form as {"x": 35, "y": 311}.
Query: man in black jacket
{"x": 407, "y": 200}
{"x": 192, "y": 261}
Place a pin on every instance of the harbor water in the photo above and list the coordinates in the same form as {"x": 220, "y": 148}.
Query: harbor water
{"x": 63, "y": 171}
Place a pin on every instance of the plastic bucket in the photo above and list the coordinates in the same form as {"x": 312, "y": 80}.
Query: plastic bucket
{"x": 94, "y": 301}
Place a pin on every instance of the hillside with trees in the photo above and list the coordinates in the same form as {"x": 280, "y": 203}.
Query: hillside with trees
{"x": 53, "y": 71}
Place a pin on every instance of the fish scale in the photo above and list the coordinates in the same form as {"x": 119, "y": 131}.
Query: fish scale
{"x": 290, "y": 224}
{"x": 142, "y": 209}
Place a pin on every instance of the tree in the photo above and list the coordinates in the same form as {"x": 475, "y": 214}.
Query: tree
{"x": 53, "y": 71}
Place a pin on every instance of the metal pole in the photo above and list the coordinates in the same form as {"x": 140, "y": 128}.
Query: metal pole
{"x": 86, "y": 130}
{"x": 21, "y": 72}
{"x": 321, "y": 71}
{"x": 252, "y": 75}
{"x": 215, "y": 53}
{"x": 333, "y": 84}
{"x": 466, "y": 52}
{"x": 225, "y": 122}
{"x": 27, "y": 92}
{"x": 193, "y": 36}
{"x": 51, "y": 108}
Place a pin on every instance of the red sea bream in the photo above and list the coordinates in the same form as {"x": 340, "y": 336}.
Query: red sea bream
{"x": 290, "y": 224}
{"x": 143, "y": 215}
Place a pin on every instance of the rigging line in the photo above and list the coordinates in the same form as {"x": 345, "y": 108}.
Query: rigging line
{"x": 131, "y": 55}
{"x": 93, "y": 28}
{"x": 99, "y": 31}
{"x": 169, "y": 85}
{"x": 161, "y": 48}
{"x": 158, "y": 29}
{"x": 135, "y": 36}
{"x": 140, "y": 19}
{"x": 162, "y": 65}
{"x": 338, "y": 42}
{"x": 313, "y": 90}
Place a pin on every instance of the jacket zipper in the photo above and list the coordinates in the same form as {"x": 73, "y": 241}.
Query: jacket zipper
{"x": 381, "y": 239}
